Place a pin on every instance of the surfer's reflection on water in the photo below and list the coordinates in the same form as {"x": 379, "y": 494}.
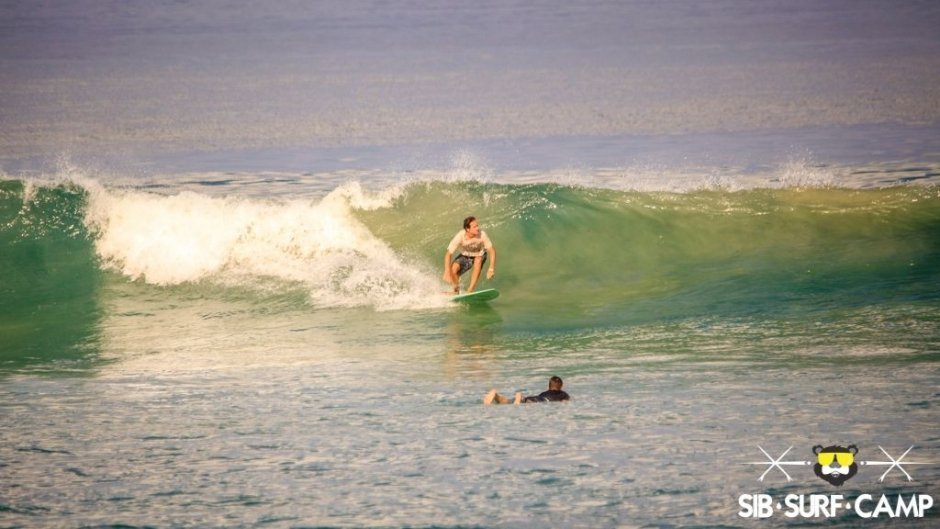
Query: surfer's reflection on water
{"x": 472, "y": 335}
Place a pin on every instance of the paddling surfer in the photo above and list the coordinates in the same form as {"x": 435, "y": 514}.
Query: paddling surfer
{"x": 472, "y": 248}
{"x": 554, "y": 394}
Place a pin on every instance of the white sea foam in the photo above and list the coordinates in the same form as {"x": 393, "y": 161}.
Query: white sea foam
{"x": 190, "y": 237}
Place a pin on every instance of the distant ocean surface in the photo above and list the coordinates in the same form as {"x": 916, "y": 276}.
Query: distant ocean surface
{"x": 222, "y": 230}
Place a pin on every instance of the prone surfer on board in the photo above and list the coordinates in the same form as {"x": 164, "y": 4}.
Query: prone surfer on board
{"x": 554, "y": 394}
{"x": 474, "y": 249}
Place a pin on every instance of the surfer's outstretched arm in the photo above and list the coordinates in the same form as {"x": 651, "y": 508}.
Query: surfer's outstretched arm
{"x": 492, "y": 255}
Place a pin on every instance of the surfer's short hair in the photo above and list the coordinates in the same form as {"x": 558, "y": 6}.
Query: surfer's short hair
{"x": 555, "y": 383}
{"x": 467, "y": 221}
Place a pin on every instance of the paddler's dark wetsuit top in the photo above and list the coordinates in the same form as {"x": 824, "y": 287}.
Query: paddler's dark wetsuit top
{"x": 552, "y": 395}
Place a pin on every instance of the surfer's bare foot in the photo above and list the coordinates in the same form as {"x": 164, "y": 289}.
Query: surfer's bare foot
{"x": 489, "y": 397}
{"x": 456, "y": 290}
{"x": 495, "y": 398}
{"x": 518, "y": 398}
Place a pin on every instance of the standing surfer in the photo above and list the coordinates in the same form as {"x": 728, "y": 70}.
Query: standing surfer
{"x": 474, "y": 249}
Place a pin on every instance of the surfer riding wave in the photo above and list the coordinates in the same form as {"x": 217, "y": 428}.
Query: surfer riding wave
{"x": 475, "y": 248}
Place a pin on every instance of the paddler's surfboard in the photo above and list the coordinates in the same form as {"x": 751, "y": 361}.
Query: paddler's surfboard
{"x": 477, "y": 297}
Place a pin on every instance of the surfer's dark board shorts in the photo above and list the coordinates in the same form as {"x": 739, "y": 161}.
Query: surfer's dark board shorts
{"x": 466, "y": 263}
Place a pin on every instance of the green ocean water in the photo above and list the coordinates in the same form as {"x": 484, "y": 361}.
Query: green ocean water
{"x": 570, "y": 258}
{"x": 601, "y": 257}
{"x": 292, "y": 360}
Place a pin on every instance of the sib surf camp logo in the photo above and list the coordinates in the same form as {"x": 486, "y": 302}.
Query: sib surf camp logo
{"x": 835, "y": 464}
